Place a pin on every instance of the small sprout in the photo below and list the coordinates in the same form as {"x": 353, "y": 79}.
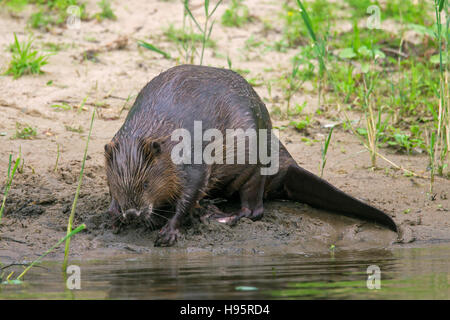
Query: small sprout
{"x": 73, "y": 129}
{"x": 24, "y": 132}
{"x": 107, "y": 12}
{"x": 63, "y": 106}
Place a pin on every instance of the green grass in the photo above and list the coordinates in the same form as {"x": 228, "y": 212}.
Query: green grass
{"x": 295, "y": 31}
{"x": 74, "y": 129}
{"x": 107, "y": 12}
{"x": 236, "y": 15}
{"x": 24, "y": 132}
{"x": 52, "y": 12}
{"x": 440, "y": 136}
{"x": 25, "y": 60}
{"x": 181, "y": 36}
{"x": 409, "y": 11}
{"x": 325, "y": 151}
{"x": 153, "y": 48}
{"x": 46, "y": 13}
{"x": 77, "y": 193}
{"x": 19, "y": 280}
{"x": 40, "y": 19}
{"x": 207, "y": 26}
{"x": 10, "y": 177}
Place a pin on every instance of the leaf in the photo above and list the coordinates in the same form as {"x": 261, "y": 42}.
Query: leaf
{"x": 365, "y": 52}
{"x": 379, "y": 54}
{"x": 347, "y": 53}
{"x": 436, "y": 60}
{"x": 151, "y": 47}
{"x": 361, "y": 131}
{"x": 307, "y": 21}
{"x": 186, "y": 6}
{"x": 422, "y": 30}
{"x": 365, "y": 67}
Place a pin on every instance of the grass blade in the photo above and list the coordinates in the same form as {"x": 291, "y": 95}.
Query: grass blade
{"x": 186, "y": 6}
{"x": 74, "y": 205}
{"x": 151, "y": 47}
{"x": 307, "y": 20}
{"x": 8, "y": 184}
{"x": 66, "y": 237}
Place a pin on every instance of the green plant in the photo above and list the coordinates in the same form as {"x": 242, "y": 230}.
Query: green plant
{"x": 358, "y": 50}
{"x": 77, "y": 193}
{"x": 405, "y": 141}
{"x": 302, "y": 124}
{"x": 18, "y": 280}
{"x": 187, "y": 41}
{"x": 151, "y": 47}
{"x": 346, "y": 80}
{"x": 292, "y": 83}
{"x": 25, "y": 60}
{"x": 24, "y": 132}
{"x": 207, "y": 28}
{"x": 236, "y": 15}
{"x": 317, "y": 13}
{"x": 408, "y": 11}
{"x": 53, "y": 12}
{"x": 374, "y": 129}
{"x": 442, "y": 138}
{"x": 325, "y": 151}
{"x": 39, "y": 19}
{"x": 10, "y": 178}
{"x": 16, "y": 5}
{"x": 57, "y": 158}
{"x": 319, "y": 45}
{"x": 107, "y": 12}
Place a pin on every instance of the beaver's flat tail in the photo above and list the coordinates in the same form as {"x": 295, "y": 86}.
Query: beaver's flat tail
{"x": 303, "y": 186}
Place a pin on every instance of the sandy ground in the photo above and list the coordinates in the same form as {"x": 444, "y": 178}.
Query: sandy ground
{"x": 40, "y": 199}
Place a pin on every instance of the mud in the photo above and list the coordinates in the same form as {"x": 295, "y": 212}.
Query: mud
{"x": 40, "y": 200}
{"x": 39, "y": 204}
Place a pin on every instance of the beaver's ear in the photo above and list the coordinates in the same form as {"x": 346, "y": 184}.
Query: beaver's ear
{"x": 108, "y": 149}
{"x": 152, "y": 147}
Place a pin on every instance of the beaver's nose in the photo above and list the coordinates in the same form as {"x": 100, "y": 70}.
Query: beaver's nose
{"x": 130, "y": 213}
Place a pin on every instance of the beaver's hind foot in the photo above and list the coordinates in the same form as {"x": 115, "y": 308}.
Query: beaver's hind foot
{"x": 233, "y": 218}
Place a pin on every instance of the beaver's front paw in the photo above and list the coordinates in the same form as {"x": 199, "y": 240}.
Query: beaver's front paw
{"x": 167, "y": 237}
{"x": 116, "y": 223}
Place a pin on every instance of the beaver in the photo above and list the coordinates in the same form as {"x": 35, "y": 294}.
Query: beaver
{"x": 143, "y": 176}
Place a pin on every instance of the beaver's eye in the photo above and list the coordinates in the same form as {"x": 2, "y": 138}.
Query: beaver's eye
{"x": 146, "y": 185}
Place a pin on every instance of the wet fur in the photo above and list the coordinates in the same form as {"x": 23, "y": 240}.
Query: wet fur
{"x": 140, "y": 152}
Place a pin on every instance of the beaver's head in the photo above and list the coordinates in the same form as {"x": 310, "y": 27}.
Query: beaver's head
{"x": 141, "y": 175}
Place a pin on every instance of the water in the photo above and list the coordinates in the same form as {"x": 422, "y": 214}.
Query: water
{"x": 407, "y": 273}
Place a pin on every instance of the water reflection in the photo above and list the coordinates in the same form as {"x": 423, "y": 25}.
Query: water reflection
{"x": 415, "y": 273}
